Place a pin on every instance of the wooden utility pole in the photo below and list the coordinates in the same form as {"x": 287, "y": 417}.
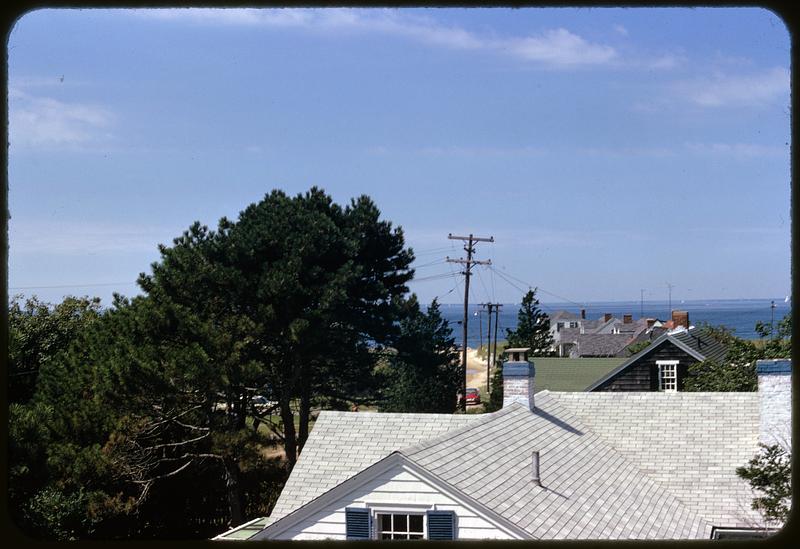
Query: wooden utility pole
{"x": 489, "y": 356}
{"x": 488, "y": 346}
{"x": 669, "y": 287}
{"x": 641, "y": 303}
{"x": 467, "y": 272}
{"x": 496, "y": 324}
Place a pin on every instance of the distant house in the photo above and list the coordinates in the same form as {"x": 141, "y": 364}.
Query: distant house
{"x": 663, "y": 365}
{"x": 606, "y": 336}
{"x": 548, "y": 465}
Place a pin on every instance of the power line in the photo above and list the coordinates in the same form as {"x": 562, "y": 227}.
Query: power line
{"x": 435, "y": 262}
{"x": 72, "y": 286}
{"x": 439, "y": 276}
{"x": 543, "y": 290}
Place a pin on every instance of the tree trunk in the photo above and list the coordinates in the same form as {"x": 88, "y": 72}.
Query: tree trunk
{"x": 233, "y": 491}
{"x": 305, "y": 414}
{"x": 290, "y": 437}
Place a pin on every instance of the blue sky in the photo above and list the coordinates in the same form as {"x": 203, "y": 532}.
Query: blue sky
{"x": 606, "y": 150}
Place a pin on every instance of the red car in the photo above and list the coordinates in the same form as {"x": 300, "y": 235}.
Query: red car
{"x": 473, "y": 396}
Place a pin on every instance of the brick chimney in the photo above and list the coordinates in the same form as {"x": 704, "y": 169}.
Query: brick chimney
{"x": 583, "y": 314}
{"x": 680, "y": 318}
{"x": 775, "y": 401}
{"x": 627, "y": 319}
{"x": 518, "y": 376}
{"x": 650, "y": 322}
{"x": 607, "y": 317}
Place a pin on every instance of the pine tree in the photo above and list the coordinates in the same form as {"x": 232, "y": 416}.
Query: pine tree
{"x": 423, "y": 375}
{"x": 533, "y": 328}
{"x": 533, "y": 331}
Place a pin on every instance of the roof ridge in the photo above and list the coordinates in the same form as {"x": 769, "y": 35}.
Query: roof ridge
{"x": 491, "y": 416}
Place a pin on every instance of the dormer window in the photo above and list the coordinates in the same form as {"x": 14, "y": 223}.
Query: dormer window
{"x": 667, "y": 375}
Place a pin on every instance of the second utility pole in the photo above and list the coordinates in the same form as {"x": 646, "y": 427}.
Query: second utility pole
{"x": 470, "y": 249}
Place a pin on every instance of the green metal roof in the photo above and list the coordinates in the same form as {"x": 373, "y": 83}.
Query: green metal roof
{"x": 571, "y": 374}
{"x": 245, "y": 531}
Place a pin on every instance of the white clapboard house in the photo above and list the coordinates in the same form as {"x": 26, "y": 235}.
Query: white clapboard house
{"x": 554, "y": 465}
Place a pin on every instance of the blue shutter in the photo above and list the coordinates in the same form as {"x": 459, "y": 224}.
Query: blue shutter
{"x": 441, "y": 525}
{"x": 356, "y": 522}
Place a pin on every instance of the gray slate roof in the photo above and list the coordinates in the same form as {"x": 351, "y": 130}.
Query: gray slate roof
{"x": 613, "y": 465}
{"x": 602, "y": 344}
{"x": 700, "y": 341}
{"x": 344, "y": 443}
{"x": 689, "y": 443}
{"x": 562, "y": 315}
{"x": 589, "y": 490}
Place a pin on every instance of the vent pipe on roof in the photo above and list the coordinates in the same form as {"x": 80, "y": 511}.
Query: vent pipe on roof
{"x": 535, "y": 469}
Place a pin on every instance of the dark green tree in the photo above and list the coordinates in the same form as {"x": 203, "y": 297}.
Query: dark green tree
{"x": 533, "y": 328}
{"x": 737, "y": 372}
{"x": 533, "y": 331}
{"x": 770, "y": 473}
{"x": 423, "y": 375}
{"x": 38, "y": 331}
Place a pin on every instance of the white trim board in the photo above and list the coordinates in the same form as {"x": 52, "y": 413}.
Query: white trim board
{"x": 393, "y": 460}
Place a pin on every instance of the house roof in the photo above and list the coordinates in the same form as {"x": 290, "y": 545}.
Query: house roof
{"x": 613, "y": 465}
{"x": 700, "y": 341}
{"x": 689, "y": 443}
{"x": 571, "y": 374}
{"x": 562, "y": 315}
{"x": 696, "y": 342}
{"x": 600, "y": 345}
{"x": 589, "y": 489}
{"x": 343, "y": 443}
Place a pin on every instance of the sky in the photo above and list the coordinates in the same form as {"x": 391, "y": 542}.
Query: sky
{"x": 606, "y": 151}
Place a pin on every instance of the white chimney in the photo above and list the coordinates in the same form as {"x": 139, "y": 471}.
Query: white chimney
{"x": 775, "y": 401}
{"x": 518, "y": 376}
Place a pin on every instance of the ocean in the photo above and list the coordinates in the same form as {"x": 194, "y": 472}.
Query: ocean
{"x": 740, "y": 315}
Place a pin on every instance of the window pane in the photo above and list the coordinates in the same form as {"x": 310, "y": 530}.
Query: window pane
{"x": 386, "y": 536}
{"x": 385, "y": 522}
{"x": 415, "y": 523}
{"x": 415, "y": 536}
{"x": 400, "y": 536}
{"x": 400, "y": 523}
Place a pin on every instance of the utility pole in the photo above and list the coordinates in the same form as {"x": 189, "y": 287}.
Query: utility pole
{"x": 669, "y": 287}
{"x": 641, "y": 304}
{"x": 467, "y": 272}
{"x": 489, "y": 355}
{"x": 480, "y": 322}
{"x": 488, "y": 346}
{"x": 772, "y": 319}
{"x": 496, "y": 324}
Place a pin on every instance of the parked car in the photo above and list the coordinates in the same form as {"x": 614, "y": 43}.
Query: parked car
{"x": 473, "y": 396}
{"x": 261, "y": 403}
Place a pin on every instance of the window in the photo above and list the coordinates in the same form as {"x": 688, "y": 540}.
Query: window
{"x": 400, "y": 526}
{"x": 667, "y": 375}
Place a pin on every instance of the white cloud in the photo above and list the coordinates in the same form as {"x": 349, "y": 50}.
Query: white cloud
{"x": 621, "y": 30}
{"x": 624, "y": 152}
{"x": 664, "y": 62}
{"x": 559, "y": 47}
{"x": 286, "y": 17}
{"x": 555, "y": 47}
{"x": 747, "y": 150}
{"x": 71, "y": 238}
{"x": 482, "y": 151}
{"x": 460, "y": 151}
{"x": 721, "y": 90}
{"x": 44, "y": 121}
